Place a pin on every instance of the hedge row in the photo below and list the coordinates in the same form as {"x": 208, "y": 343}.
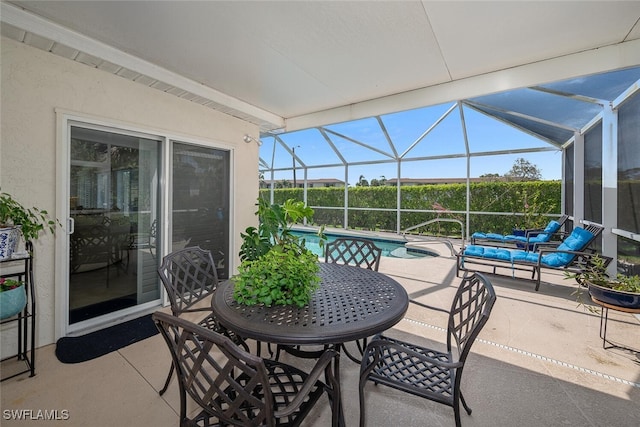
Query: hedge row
{"x": 526, "y": 204}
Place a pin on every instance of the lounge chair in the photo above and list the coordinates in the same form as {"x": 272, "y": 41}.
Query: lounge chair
{"x": 531, "y": 237}
{"x": 571, "y": 255}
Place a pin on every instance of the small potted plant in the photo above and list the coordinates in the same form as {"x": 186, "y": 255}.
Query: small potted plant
{"x": 12, "y": 297}
{"x": 276, "y": 268}
{"x": 16, "y": 220}
{"x": 622, "y": 291}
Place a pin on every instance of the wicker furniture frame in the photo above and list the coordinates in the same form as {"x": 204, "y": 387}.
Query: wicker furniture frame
{"x": 425, "y": 372}
{"x": 189, "y": 276}
{"x": 234, "y": 387}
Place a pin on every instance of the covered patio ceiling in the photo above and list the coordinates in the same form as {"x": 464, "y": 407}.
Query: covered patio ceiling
{"x": 287, "y": 66}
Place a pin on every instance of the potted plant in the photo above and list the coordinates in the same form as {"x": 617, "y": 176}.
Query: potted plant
{"x": 13, "y": 297}
{"x": 622, "y": 291}
{"x": 276, "y": 268}
{"x": 16, "y": 220}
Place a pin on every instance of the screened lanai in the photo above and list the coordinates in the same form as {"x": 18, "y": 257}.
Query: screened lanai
{"x": 591, "y": 120}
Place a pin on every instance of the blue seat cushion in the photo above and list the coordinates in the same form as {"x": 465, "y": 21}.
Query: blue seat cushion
{"x": 552, "y": 227}
{"x": 497, "y": 253}
{"x": 577, "y": 240}
{"x": 524, "y": 256}
{"x": 556, "y": 259}
{"x": 491, "y": 253}
{"x": 474, "y": 250}
{"x": 488, "y": 236}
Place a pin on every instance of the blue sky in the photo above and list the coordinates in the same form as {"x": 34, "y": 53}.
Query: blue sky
{"x": 484, "y": 135}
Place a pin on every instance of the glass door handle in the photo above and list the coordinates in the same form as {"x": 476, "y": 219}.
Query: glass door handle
{"x": 71, "y": 225}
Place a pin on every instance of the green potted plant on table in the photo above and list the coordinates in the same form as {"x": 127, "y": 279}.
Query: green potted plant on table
{"x": 276, "y": 268}
{"x": 13, "y": 297}
{"x": 16, "y": 220}
{"x": 622, "y": 291}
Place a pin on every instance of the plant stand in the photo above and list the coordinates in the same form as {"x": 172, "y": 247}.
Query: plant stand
{"x": 22, "y": 269}
{"x": 604, "y": 318}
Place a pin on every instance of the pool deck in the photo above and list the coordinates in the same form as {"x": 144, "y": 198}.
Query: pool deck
{"x": 539, "y": 361}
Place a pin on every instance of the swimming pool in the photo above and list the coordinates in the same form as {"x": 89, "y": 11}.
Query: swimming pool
{"x": 390, "y": 248}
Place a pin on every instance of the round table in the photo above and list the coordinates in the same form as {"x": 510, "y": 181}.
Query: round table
{"x": 351, "y": 303}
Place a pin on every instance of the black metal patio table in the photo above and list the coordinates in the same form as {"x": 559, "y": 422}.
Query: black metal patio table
{"x": 351, "y": 303}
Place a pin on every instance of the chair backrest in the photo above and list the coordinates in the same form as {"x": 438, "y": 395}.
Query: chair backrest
{"x": 354, "y": 251}
{"x": 223, "y": 380}
{"x": 469, "y": 313}
{"x": 562, "y": 219}
{"x": 578, "y": 241}
{"x": 188, "y": 275}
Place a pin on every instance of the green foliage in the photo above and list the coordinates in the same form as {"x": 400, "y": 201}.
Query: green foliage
{"x": 596, "y": 273}
{"x": 276, "y": 267}
{"x": 285, "y": 275}
{"x": 523, "y": 170}
{"x": 505, "y": 199}
{"x": 9, "y": 284}
{"x": 32, "y": 221}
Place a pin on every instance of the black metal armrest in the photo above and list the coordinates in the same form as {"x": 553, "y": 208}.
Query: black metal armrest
{"x": 581, "y": 258}
{"x": 310, "y": 382}
{"x": 529, "y": 231}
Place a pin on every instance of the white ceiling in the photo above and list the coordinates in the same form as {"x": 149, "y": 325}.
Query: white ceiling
{"x": 295, "y": 64}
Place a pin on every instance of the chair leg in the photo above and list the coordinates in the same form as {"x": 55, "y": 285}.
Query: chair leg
{"x": 167, "y": 381}
{"x": 456, "y": 413}
{"x": 361, "y": 394}
{"x": 466, "y": 407}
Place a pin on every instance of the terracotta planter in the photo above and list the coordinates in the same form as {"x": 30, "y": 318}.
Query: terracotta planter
{"x": 613, "y": 297}
{"x": 12, "y": 302}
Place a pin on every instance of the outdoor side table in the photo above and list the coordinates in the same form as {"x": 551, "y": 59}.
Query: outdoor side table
{"x": 604, "y": 318}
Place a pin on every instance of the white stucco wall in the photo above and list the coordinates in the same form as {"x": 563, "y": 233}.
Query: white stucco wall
{"x": 34, "y": 83}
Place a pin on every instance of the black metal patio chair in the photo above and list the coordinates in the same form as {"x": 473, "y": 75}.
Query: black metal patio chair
{"x": 425, "y": 372}
{"x": 358, "y": 252}
{"x": 189, "y": 276}
{"x": 354, "y": 251}
{"x": 234, "y": 387}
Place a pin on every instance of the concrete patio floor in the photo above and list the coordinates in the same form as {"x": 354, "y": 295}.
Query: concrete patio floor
{"x": 538, "y": 362}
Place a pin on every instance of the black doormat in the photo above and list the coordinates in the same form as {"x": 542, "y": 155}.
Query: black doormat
{"x": 94, "y": 310}
{"x": 99, "y": 343}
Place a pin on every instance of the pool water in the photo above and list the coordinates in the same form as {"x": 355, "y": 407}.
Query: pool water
{"x": 390, "y": 248}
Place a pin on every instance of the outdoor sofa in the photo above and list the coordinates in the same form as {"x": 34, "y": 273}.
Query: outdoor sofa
{"x": 571, "y": 255}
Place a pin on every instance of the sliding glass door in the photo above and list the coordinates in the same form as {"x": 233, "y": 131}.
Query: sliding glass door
{"x": 200, "y": 201}
{"x": 114, "y": 210}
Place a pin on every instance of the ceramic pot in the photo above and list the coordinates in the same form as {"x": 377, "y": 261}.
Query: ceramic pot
{"x": 9, "y": 237}
{"x": 613, "y": 297}
{"x": 12, "y": 302}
